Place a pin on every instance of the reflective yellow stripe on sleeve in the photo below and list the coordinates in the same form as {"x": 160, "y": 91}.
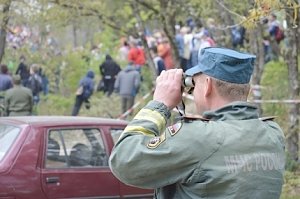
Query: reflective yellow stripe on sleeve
{"x": 153, "y": 116}
{"x": 137, "y": 129}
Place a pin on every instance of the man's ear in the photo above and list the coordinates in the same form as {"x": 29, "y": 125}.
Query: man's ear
{"x": 208, "y": 86}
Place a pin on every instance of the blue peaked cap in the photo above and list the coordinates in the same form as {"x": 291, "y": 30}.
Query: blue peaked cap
{"x": 224, "y": 64}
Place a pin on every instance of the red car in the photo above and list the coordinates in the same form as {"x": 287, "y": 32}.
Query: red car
{"x": 60, "y": 157}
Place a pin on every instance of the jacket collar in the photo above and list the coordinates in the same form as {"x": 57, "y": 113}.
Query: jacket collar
{"x": 233, "y": 111}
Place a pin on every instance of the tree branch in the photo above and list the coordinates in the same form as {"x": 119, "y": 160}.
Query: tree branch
{"x": 91, "y": 12}
{"x": 148, "y": 6}
{"x": 228, "y": 10}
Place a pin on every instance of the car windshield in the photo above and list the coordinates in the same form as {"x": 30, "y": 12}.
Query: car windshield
{"x": 8, "y": 135}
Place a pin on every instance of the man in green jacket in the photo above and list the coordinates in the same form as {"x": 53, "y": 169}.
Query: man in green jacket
{"x": 229, "y": 152}
{"x": 18, "y": 101}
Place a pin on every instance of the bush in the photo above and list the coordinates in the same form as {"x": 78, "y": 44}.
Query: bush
{"x": 55, "y": 105}
{"x": 277, "y": 90}
{"x": 291, "y": 187}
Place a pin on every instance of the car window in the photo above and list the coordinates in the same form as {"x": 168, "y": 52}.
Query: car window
{"x": 115, "y": 134}
{"x": 75, "y": 148}
{"x": 8, "y": 135}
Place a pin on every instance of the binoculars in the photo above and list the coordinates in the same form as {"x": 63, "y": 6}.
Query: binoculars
{"x": 187, "y": 81}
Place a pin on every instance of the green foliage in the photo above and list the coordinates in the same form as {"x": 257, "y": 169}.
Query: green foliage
{"x": 239, "y": 7}
{"x": 291, "y": 165}
{"x": 57, "y": 16}
{"x": 109, "y": 41}
{"x": 203, "y": 8}
{"x": 275, "y": 86}
{"x": 147, "y": 80}
{"x": 291, "y": 188}
{"x": 56, "y": 105}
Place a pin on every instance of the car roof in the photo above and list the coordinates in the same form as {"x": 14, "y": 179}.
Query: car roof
{"x": 60, "y": 120}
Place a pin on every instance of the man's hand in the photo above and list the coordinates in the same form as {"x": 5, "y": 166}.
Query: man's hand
{"x": 168, "y": 88}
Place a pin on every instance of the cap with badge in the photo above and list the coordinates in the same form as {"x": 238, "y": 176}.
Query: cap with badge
{"x": 224, "y": 64}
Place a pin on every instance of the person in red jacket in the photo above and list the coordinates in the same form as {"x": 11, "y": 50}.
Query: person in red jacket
{"x": 136, "y": 55}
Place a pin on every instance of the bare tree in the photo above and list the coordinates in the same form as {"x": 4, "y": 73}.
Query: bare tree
{"x": 291, "y": 59}
{"x": 257, "y": 49}
{"x": 3, "y": 27}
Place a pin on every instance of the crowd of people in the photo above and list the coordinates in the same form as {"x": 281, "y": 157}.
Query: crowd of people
{"x": 125, "y": 82}
{"x": 189, "y": 40}
{"x": 20, "y": 92}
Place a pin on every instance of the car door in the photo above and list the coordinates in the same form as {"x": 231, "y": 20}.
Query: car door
{"x": 76, "y": 165}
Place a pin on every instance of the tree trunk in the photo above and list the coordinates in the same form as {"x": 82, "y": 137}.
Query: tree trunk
{"x": 3, "y": 27}
{"x": 257, "y": 49}
{"x": 298, "y": 24}
{"x": 291, "y": 60}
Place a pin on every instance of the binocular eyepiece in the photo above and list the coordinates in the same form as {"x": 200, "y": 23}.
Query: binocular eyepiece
{"x": 187, "y": 81}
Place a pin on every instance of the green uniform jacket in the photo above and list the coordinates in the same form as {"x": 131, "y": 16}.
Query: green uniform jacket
{"x": 233, "y": 155}
{"x": 18, "y": 101}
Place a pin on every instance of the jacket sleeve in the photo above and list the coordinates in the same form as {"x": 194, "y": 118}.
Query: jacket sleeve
{"x": 6, "y": 103}
{"x": 101, "y": 68}
{"x": 137, "y": 80}
{"x": 92, "y": 85}
{"x": 160, "y": 66}
{"x": 118, "y": 69}
{"x": 117, "y": 83}
{"x": 18, "y": 70}
{"x": 31, "y": 101}
{"x": 147, "y": 155}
